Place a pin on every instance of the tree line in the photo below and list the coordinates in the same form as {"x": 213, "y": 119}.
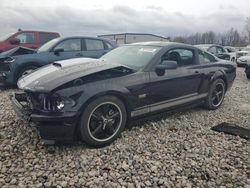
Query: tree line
{"x": 230, "y": 38}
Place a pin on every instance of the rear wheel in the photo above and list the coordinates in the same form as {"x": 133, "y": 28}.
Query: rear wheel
{"x": 216, "y": 94}
{"x": 102, "y": 121}
{"x": 248, "y": 76}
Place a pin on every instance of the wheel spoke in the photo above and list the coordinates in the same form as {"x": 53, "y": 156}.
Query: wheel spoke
{"x": 96, "y": 116}
{"x": 97, "y": 130}
{"x": 213, "y": 98}
{"x": 218, "y": 96}
{"x": 219, "y": 92}
{"x": 110, "y": 129}
{"x": 115, "y": 115}
{"x": 105, "y": 109}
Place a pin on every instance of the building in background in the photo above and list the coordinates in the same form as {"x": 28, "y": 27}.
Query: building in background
{"x": 127, "y": 38}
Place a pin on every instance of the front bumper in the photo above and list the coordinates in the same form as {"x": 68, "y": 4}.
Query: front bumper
{"x": 3, "y": 79}
{"x": 241, "y": 63}
{"x": 53, "y": 129}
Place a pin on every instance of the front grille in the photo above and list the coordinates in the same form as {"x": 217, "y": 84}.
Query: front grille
{"x": 48, "y": 103}
{"x": 4, "y": 67}
{"x": 42, "y": 102}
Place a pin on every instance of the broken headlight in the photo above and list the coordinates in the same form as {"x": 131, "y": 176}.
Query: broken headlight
{"x": 54, "y": 102}
{"x": 9, "y": 60}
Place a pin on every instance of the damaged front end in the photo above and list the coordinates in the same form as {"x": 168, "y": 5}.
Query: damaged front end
{"x": 49, "y": 114}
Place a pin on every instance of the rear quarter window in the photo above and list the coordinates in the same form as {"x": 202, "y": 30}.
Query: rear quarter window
{"x": 205, "y": 58}
{"x": 45, "y": 37}
{"x": 93, "y": 44}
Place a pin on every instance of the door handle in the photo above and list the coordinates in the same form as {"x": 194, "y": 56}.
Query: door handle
{"x": 196, "y": 72}
{"x": 79, "y": 55}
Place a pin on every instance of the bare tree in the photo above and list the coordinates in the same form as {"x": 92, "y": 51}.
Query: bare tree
{"x": 247, "y": 28}
{"x": 180, "y": 39}
{"x": 230, "y": 38}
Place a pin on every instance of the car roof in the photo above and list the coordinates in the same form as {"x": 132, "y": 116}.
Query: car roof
{"x": 207, "y": 45}
{"x": 162, "y": 44}
{"x": 37, "y": 31}
{"x": 84, "y": 37}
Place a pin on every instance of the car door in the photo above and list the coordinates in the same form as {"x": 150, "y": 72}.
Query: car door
{"x": 208, "y": 65}
{"x": 66, "y": 49}
{"x": 222, "y": 53}
{"x": 178, "y": 85}
{"x": 94, "y": 48}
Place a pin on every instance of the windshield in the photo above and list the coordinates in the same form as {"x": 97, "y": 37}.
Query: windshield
{"x": 4, "y": 37}
{"x": 48, "y": 45}
{"x": 135, "y": 57}
{"x": 230, "y": 49}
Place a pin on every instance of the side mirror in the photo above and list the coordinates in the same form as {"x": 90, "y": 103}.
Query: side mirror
{"x": 58, "y": 51}
{"x": 15, "y": 41}
{"x": 166, "y": 64}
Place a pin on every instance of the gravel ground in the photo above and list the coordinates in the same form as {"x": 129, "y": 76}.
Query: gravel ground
{"x": 177, "y": 150}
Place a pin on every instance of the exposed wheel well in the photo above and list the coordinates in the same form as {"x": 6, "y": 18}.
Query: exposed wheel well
{"x": 18, "y": 71}
{"x": 115, "y": 94}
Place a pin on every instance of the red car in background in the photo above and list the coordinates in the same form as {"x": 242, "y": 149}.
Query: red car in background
{"x": 26, "y": 38}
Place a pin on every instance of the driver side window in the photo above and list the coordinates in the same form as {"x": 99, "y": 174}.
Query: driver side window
{"x": 183, "y": 57}
{"x": 70, "y": 45}
{"x": 220, "y": 50}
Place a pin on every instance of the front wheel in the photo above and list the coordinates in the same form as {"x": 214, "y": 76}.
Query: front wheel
{"x": 102, "y": 121}
{"x": 216, "y": 94}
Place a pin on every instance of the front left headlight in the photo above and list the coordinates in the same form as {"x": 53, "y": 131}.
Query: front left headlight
{"x": 55, "y": 102}
{"x": 61, "y": 102}
{"x": 9, "y": 60}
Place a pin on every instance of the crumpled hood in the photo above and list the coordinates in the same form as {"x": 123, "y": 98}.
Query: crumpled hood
{"x": 52, "y": 76}
{"x": 17, "y": 50}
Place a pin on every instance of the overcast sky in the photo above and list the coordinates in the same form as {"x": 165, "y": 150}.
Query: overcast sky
{"x": 163, "y": 17}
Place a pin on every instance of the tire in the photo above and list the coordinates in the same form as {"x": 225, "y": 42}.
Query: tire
{"x": 248, "y": 76}
{"x": 96, "y": 126}
{"x": 25, "y": 71}
{"x": 215, "y": 98}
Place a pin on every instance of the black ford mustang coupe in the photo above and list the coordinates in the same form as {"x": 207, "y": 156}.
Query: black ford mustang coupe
{"x": 94, "y": 98}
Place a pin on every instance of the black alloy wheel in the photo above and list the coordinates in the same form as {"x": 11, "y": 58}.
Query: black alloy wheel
{"x": 216, "y": 94}
{"x": 102, "y": 121}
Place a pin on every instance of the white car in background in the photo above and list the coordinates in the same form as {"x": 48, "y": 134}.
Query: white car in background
{"x": 243, "y": 52}
{"x": 232, "y": 52}
{"x": 243, "y": 60}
